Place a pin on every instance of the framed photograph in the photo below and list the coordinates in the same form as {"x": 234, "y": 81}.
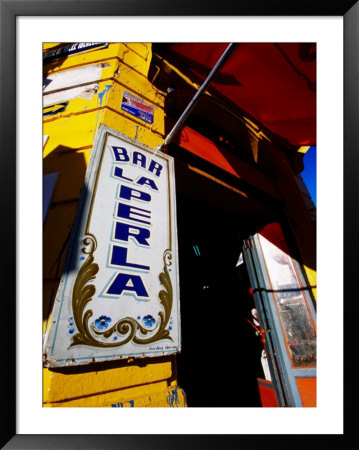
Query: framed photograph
{"x": 135, "y": 178}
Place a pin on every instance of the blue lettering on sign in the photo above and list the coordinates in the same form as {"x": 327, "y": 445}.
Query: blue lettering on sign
{"x": 124, "y": 230}
{"x": 147, "y": 182}
{"x": 138, "y": 159}
{"x": 118, "y": 173}
{"x": 155, "y": 168}
{"x": 129, "y": 283}
{"x": 119, "y": 258}
{"x": 132, "y": 218}
{"x": 120, "y": 154}
{"x": 143, "y": 181}
{"x": 128, "y": 212}
{"x": 128, "y": 193}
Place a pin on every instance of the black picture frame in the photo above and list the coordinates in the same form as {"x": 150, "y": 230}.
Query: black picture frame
{"x": 9, "y": 10}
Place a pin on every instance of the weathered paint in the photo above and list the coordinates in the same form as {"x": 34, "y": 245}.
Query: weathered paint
{"x": 71, "y": 133}
{"x": 136, "y": 57}
{"x": 107, "y": 398}
{"x": 129, "y": 404}
{"x": 174, "y": 397}
{"x": 151, "y": 395}
{"x": 61, "y": 385}
{"x": 76, "y": 126}
{"x": 71, "y": 49}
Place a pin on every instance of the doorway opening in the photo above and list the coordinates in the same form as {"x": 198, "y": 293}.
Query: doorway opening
{"x": 221, "y": 353}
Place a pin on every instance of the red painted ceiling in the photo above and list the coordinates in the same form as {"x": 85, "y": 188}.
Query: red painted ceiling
{"x": 273, "y": 83}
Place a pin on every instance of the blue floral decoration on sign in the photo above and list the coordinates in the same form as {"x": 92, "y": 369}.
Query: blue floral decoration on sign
{"x": 149, "y": 321}
{"x": 102, "y": 322}
{"x": 70, "y": 325}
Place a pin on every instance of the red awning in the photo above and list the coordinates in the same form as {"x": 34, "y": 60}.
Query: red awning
{"x": 204, "y": 148}
{"x": 273, "y": 83}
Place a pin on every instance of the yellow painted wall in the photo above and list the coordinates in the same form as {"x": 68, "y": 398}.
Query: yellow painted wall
{"x": 70, "y": 134}
{"x": 312, "y": 278}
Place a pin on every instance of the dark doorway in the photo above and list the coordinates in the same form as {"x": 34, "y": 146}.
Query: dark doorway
{"x": 220, "y": 359}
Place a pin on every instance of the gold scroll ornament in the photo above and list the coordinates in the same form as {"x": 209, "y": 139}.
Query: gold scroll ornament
{"x": 127, "y": 327}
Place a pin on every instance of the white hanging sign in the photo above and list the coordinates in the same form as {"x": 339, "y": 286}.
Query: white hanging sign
{"x": 119, "y": 292}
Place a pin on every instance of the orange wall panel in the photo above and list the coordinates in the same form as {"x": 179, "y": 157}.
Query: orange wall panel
{"x": 267, "y": 394}
{"x": 308, "y": 391}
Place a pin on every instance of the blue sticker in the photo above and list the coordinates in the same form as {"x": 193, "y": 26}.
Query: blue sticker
{"x": 137, "y": 107}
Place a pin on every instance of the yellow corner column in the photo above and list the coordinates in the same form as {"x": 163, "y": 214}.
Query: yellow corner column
{"x": 82, "y": 91}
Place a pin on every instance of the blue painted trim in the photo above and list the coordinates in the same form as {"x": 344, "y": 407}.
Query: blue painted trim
{"x": 267, "y": 384}
{"x": 305, "y": 373}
